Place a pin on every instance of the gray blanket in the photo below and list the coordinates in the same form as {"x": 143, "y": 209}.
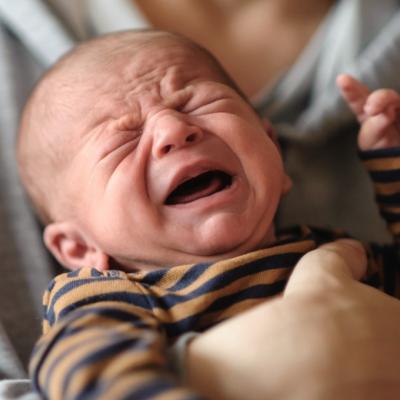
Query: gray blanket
{"x": 25, "y": 25}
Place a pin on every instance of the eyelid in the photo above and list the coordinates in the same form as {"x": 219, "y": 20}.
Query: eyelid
{"x": 112, "y": 148}
{"x": 198, "y": 107}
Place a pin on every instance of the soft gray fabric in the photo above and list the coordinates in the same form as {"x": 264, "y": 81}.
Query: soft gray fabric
{"x": 17, "y": 389}
{"x": 361, "y": 37}
{"x": 25, "y": 270}
{"x": 122, "y": 15}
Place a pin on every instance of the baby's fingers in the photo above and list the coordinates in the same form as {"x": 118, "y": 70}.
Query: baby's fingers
{"x": 383, "y": 101}
{"x": 355, "y": 93}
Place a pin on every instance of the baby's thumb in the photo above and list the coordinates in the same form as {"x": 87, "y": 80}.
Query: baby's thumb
{"x": 327, "y": 267}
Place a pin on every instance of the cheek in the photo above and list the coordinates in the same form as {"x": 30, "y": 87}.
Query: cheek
{"x": 265, "y": 172}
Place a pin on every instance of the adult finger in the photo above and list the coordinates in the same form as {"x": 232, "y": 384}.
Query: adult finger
{"x": 329, "y": 266}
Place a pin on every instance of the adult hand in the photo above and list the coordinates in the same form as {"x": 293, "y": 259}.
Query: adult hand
{"x": 328, "y": 337}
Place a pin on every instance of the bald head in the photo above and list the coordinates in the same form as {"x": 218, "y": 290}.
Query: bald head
{"x": 53, "y": 115}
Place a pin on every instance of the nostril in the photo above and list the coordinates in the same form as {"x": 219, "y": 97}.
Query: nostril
{"x": 191, "y": 138}
{"x": 166, "y": 149}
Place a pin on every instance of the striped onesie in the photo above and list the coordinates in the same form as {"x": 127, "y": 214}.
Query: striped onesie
{"x": 106, "y": 334}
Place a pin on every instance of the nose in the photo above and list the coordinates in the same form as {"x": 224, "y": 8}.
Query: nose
{"x": 171, "y": 133}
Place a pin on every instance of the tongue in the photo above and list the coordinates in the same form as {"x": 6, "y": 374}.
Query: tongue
{"x": 202, "y": 188}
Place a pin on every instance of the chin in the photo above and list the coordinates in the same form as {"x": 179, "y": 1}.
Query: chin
{"x": 226, "y": 245}
{"x": 229, "y": 240}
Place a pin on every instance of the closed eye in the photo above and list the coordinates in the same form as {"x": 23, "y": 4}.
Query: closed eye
{"x": 118, "y": 146}
{"x": 217, "y": 105}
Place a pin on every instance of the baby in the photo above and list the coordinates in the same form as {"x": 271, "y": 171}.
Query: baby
{"x": 140, "y": 154}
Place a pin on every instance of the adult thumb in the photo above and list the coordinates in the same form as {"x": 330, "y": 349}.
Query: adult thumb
{"x": 329, "y": 266}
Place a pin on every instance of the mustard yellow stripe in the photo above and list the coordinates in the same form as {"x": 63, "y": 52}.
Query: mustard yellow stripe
{"x": 98, "y": 340}
{"x": 137, "y": 312}
{"x": 173, "y": 275}
{"x": 125, "y": 362}
{"x": 45, "y": 326}
{"x": 123, "y": 386}
{"x": 387, "y": 188}
{"x": 382, "y": 164}
{"x": 394, "y": 228}
{"x": 90, "y": 336}
{"x": 200, "y": 303}
{"x": 85, "y": 375}
{"x": 70, "y": 359}
{"x": 226, "y": 265}
{"x": 236, "y": 309}
{"x": 390, "y": 209}
{"x": 103, "y": 323}
{"x": 94, "y": 319}
{"x": 93, "y": 289}
{"x": 45, "y": 339}
{"x": 97, "y": 328}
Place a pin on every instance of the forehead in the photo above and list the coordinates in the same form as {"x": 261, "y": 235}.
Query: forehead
{"x": 150, "y": 73}
{"x": 168, "y": 62}
{"x": 160, "y": 68}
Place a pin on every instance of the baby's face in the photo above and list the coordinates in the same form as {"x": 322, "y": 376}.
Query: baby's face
{"x": 172, "y": 166}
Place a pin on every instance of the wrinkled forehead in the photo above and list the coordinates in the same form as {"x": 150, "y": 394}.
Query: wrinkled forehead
{"x": 148, "y": 73}
{"x": 164, "y": 65}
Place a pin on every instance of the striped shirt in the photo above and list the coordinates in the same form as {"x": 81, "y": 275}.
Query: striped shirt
{"x": 106, "y": 334}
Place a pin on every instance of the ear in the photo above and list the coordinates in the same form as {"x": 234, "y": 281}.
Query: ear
{"x": 70, "y": 247}
{"x": 269, "y": 129}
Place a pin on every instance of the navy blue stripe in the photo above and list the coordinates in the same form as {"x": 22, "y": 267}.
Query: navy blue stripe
{"x": 70, "y": 330}
{"x": 51, "y": 285}
{"x": 115, "y": 314}
{"x": 95, "y": 273}
{"x": 190, "y": 276}
{"x": 61, "y": 357}
{"x": 253, "y": 292}
{"x": 392, "y": 175}
{"x": 390, "y": 217}
{"x": 71, "y": 286}
{"x": 148, "y": 302}
{"x": 389, "y": 199}
{"x": 136, "y": 299}
{"x": 381, "y": 153}
{"x": 154, "y": 277}
{"x": 37, "y": 365}
{"x": 191, "y": 323}
{"x": 111, "y": 350}
{"x": 224, "y": 279}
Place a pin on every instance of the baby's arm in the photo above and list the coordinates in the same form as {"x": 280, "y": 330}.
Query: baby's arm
{"x": 102, "y": 341}
{"x": 379, "y": 141}
{"x": 377, "y": 112}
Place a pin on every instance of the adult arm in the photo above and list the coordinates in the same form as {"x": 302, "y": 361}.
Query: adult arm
{"x": 327, "y": 337}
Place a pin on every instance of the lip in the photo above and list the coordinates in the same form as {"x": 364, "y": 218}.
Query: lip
{"x": 192, "y": 170}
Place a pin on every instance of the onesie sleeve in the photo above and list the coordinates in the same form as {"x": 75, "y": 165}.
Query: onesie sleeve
{"x": 101, "y": 341}
{"x": 383, "y": 167}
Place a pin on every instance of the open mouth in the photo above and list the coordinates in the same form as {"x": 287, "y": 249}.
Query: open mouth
{"x": 203, "y": 185}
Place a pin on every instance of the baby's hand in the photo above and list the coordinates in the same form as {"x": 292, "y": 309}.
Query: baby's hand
{"x": 378, "y": 112}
